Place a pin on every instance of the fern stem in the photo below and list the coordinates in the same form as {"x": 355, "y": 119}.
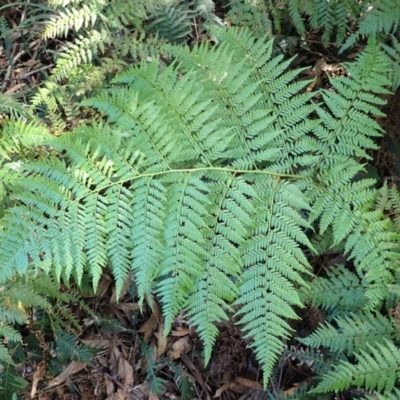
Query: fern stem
{"x": 189, "y": 170}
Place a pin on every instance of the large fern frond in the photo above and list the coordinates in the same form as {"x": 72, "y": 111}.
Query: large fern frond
{"x": 199, "y": 183}
{"x": 186, "y": 187}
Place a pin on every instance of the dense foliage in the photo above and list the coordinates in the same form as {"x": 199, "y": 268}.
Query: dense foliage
{"x": 210, "y": 171}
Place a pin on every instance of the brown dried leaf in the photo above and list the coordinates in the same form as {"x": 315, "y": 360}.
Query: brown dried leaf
{"x": 109, "y": 386}
{"x": 127, "y": 308}
{"x": 122, "y": 395}
{"x": 237, "y": 387}
{"x": 181, "y": 332}
{"x": 221, "y": 390}
{"x": 141, "y": 391}
{"x": 37, "y": 376}
{"x": 97, "y": 343}
{"x": 153, "y": 396}
{"x": 180, "y": 346}
{"x": 189, "y": 363}
{"x": 148, "y": 327}
{"x": 248, "y": 383}
{"x": 71, "y": 369}
{"x": 125, "y": 372}
{"x": 161, "y": 341}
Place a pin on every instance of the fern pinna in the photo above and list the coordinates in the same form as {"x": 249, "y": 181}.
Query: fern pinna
{"x": 198, "y": 184}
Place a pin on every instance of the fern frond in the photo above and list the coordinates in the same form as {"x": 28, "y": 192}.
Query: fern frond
{"x": 250, "y": 15}
{"x": 368, "y": 372}
{"x": 173, "y": 21}
{"x": 334, "y": 17}
{"x": 341, "y": 290}
{"x": 5, "y": 358}
{"x": 181, "y": 379}
{"x": 393, "y": 53}
{"x": 173, "y": 188}
{"x": 205, "y": 9}
{"x": 314, "y": 359}
{"x": 354, "y": 333}
{"x": 273, "y": 260}
{"x": 9, "y": 105}
{"x": 381, "y": 17}
{"x": 347, "y": 131}
{"x": 6, "y": 41}
{"x": 81, "y": 51}
{"x": 67, "y": 348}
{"x": 335, "y": 198}
{"x": 119, "y": 13}
{"x": 16, "y": 135}
{"x": 295, "y": 11}
{"x": 8, "y": 332}
{"x": 138, "y": 46}
{"x": 283, "y": 94}
{"x": 347, "y": 124}
{"x": 374, "y": 247}
{"x": 69, "y": 18}
{"x": 257, "y": 90}
{"x": 11, "y": 382}
{"x": 199, "y": 183}
{"x": 216, "y": 286}
{"x": 393, "y": 395}
{"x": 156, "y": 383}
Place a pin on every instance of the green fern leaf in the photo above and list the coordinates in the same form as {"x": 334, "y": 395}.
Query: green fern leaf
{"x": 381, "y": 17}
{"x": 341, "y": 291}
{"x": 354, "y": 333}
{"x": 68, "y": 18}
{"x": 273, "y": 260}
{"x": 374, "y": 247}
{"x": 368, "y": 372}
